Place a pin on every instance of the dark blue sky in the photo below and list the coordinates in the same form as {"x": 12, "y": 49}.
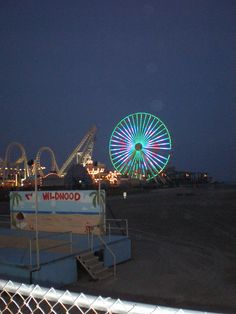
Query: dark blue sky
{"x": 68, "y": 65}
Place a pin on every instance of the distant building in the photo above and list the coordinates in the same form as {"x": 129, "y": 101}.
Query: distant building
{"x": 76, "y": 177}
{"x": 52, "y": 180}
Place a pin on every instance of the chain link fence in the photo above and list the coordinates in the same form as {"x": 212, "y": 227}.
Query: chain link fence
{"x": 22, "y": 298}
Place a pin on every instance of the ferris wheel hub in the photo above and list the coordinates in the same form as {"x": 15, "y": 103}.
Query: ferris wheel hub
{"x": 138, "y": 146}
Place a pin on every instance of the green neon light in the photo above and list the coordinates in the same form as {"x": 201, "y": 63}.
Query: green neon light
{"x": 140, "y": 143}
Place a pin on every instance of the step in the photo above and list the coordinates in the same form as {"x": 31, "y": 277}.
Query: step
{"x": 94, "y": 267}
{"x": 96, "y": 272}
{"x": 97, "y": 266}
{"x": 86, "y": 255}
{"x": 88, "y": 259}
{"x": 106, "y": 274}
{"x": 91, "y": 262}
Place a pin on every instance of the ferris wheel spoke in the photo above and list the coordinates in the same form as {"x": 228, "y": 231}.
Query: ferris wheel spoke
{"x": 163, "y": 157}
{"x": 154, "y": 153}
{"x": 127, "y": 129}
{"x": 123, "y": 134}
{"x": 122, "y": 167}
{"x": 129, "y": 165}
{"x": 153, "y": 167}
{"x": 134, "y": 124}
{"x": 132, "y": 164}
{"x": 155, "y": 136}
{"x": 156, "y": 132}
{"x": 120, "y": 158}
{"x": 121, "y": 161}
{"x": 136, "y": 118}
{"x": 159, "y": 136}
{"x": 120, "y": 154}
{"x": 155, "y": 128}
{"x": 119, "y": 141}
{"x": 156, "y": 157}
{"x": 150, "y": 127}
{"x": 164, "y": 146}
{"x": 157, "y": 144}
{"x": 117, "y": 153}
{"x": 156, "y": 168}
{"x": 161, "y": 165}
{"x": 129, "y": 125}
{"x": 140, "y": 120}
{"x": 145, "y": 166}
{"x": 126, "y": 145}
{"x": 159, "y": 127}
{"x": 159, "y": 139}
{"x": 119, "y": 144}
{"x": 144, "y": 124}
{"x": 119, "y": 136}
{"x": 140, "y": 123}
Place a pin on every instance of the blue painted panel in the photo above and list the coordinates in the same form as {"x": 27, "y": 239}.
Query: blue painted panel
{"x": 58, "y": 273}
{"x": 121, "y": 249}
{"x": 14, "y": 272}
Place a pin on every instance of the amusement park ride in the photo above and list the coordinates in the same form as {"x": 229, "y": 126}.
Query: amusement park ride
{"x": 139, "y": 147}
{"x": 17, "y": 172}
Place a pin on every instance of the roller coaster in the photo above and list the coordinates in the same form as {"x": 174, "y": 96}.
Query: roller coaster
{"x": 20, "y": 170}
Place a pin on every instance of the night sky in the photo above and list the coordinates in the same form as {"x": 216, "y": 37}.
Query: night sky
{"x": 68, "y": 65}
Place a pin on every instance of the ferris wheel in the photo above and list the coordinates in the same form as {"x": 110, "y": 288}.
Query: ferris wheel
{"x": 140, "y": 146}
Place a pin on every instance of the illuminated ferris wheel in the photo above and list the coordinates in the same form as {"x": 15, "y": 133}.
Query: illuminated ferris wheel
{"x": 140, "y": 146}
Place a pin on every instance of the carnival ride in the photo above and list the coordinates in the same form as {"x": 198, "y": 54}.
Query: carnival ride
{"x": 80, "y": 155}
{"x": 140, "y": 146}
{"x": 8, "y": 165}
{"x": 54, "y": 166}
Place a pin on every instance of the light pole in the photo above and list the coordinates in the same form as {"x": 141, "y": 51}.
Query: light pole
{"x": 99, "y": 189}
{"x": 36, "y": 212}
{"x": 101, "y": 206}
{"x": 34, "y": 164}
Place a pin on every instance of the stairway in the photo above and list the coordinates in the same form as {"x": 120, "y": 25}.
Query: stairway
{"x": 94, "y": 267}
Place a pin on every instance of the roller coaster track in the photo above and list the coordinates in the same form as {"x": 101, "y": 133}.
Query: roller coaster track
{"x": 82, "y": 152}
{"x": 22, "y": 159}
{"x": 54, "y": 166}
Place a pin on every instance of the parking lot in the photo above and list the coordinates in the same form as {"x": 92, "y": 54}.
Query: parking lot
{"x": 183, "y": 249}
